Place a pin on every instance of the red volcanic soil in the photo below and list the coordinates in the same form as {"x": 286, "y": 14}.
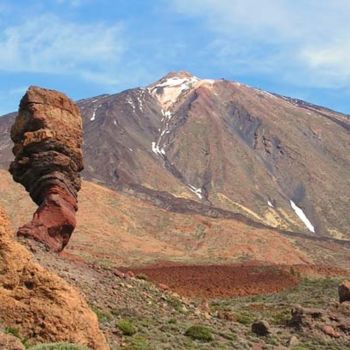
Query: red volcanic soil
{"x": 227, "y": 280}
{"x": 220, "y": 281}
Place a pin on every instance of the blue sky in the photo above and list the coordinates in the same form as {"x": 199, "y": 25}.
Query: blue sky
{"x": 299, "y": 48}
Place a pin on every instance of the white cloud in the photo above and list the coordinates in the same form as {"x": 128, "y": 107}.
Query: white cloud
{"x": 48, "y": 44}
{"x": 281, "y": 36}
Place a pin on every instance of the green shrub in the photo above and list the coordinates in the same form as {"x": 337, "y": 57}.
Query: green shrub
{"x": 12, "y": 331}
{"x": 102, "y": 316}
{"x": 126, "y": 327}
{"x": 199, "y": 333}
{"x": 245, "y": 318}
{"x": 58, "y": 346}
{"x": 138, "y": 343}
{"x": 281, "y": 317}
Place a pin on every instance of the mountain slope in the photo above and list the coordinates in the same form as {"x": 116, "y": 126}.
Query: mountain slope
{"x": 273, "y": 159}
{"x": 116, "y": 229}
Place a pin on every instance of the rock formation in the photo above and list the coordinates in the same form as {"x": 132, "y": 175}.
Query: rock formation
{"x": 39, "y": 305}
{"x": 333, "y": 321}
{"x": 344, "y": 291}
{"x": 261, "y": 328}
{"x": 10, "y": 342}
{"x": 48, "y": 136}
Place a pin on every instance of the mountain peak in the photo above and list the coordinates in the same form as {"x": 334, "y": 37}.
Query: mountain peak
{"x": 168, "y": 89}
{"x": 179, "y": 74}
{"x": 175, "y": 77}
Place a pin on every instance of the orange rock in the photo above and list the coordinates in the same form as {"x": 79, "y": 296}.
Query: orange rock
{"x": 42, "y": 306}
{"x": 329, "y": 330}
{"x": 9, "y": 342}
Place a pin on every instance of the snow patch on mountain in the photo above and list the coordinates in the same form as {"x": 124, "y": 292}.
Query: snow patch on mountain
{"x": 157, "y": 149}
{"x": 168, "y": 90}
{"x": 196, "y": 191}
{"x": 302, "y": 216}
{"x": 130, "y": 102}
{"x": 93, "y": 117}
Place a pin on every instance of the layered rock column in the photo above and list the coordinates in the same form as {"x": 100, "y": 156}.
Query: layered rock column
{"x": 48, "y": 159}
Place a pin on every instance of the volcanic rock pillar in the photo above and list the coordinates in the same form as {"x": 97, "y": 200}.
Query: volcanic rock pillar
{"x": 48, "y": 159}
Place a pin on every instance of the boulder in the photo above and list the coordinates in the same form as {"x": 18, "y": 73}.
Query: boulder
{"x": 47, "y": 134}
{"x": 344, "y": 291}
{"x": 305, "y": 317}
{"x": 261, "y": 328}
{"x": 330, "y": 331}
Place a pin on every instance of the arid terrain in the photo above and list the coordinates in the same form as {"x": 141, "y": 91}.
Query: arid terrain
{"x": 126, "y": 231}
{"x": 163, "y": 283}
{"x": 205, "y": 206}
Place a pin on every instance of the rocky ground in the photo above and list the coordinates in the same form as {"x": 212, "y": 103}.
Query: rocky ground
{"x": 135, "y": 313}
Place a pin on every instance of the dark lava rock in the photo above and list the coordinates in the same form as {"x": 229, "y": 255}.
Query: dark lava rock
{"x": 261, "y": 327}
{"x": 344, "y": 291}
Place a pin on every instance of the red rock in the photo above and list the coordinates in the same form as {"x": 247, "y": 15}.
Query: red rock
{"x": 163, "y": 286}
{"x": 329, "y": 330}
{"x": 130, "y": 274}
{"x": 344, "y": 291}
{"x": 48, "y": 136}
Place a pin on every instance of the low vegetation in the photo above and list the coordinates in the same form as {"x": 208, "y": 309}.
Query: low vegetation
{"x": 103, "y": 316}
{"x": 127, "y": 327}
{"x": 12, "y": 331}
{"x": 199, "y": 332}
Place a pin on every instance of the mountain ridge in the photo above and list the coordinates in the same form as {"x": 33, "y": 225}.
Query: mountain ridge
{"x": 221, "y": 143}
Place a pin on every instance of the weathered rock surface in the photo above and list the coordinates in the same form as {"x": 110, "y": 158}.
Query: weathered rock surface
{"x": 344, "y": 291}
{"x": 48, "y": 159}
{"x": 38, "y": 304}
{"x": 305, "y": 317}
{"x": 10, "y": 342}
{"x": 330, "y": 322}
